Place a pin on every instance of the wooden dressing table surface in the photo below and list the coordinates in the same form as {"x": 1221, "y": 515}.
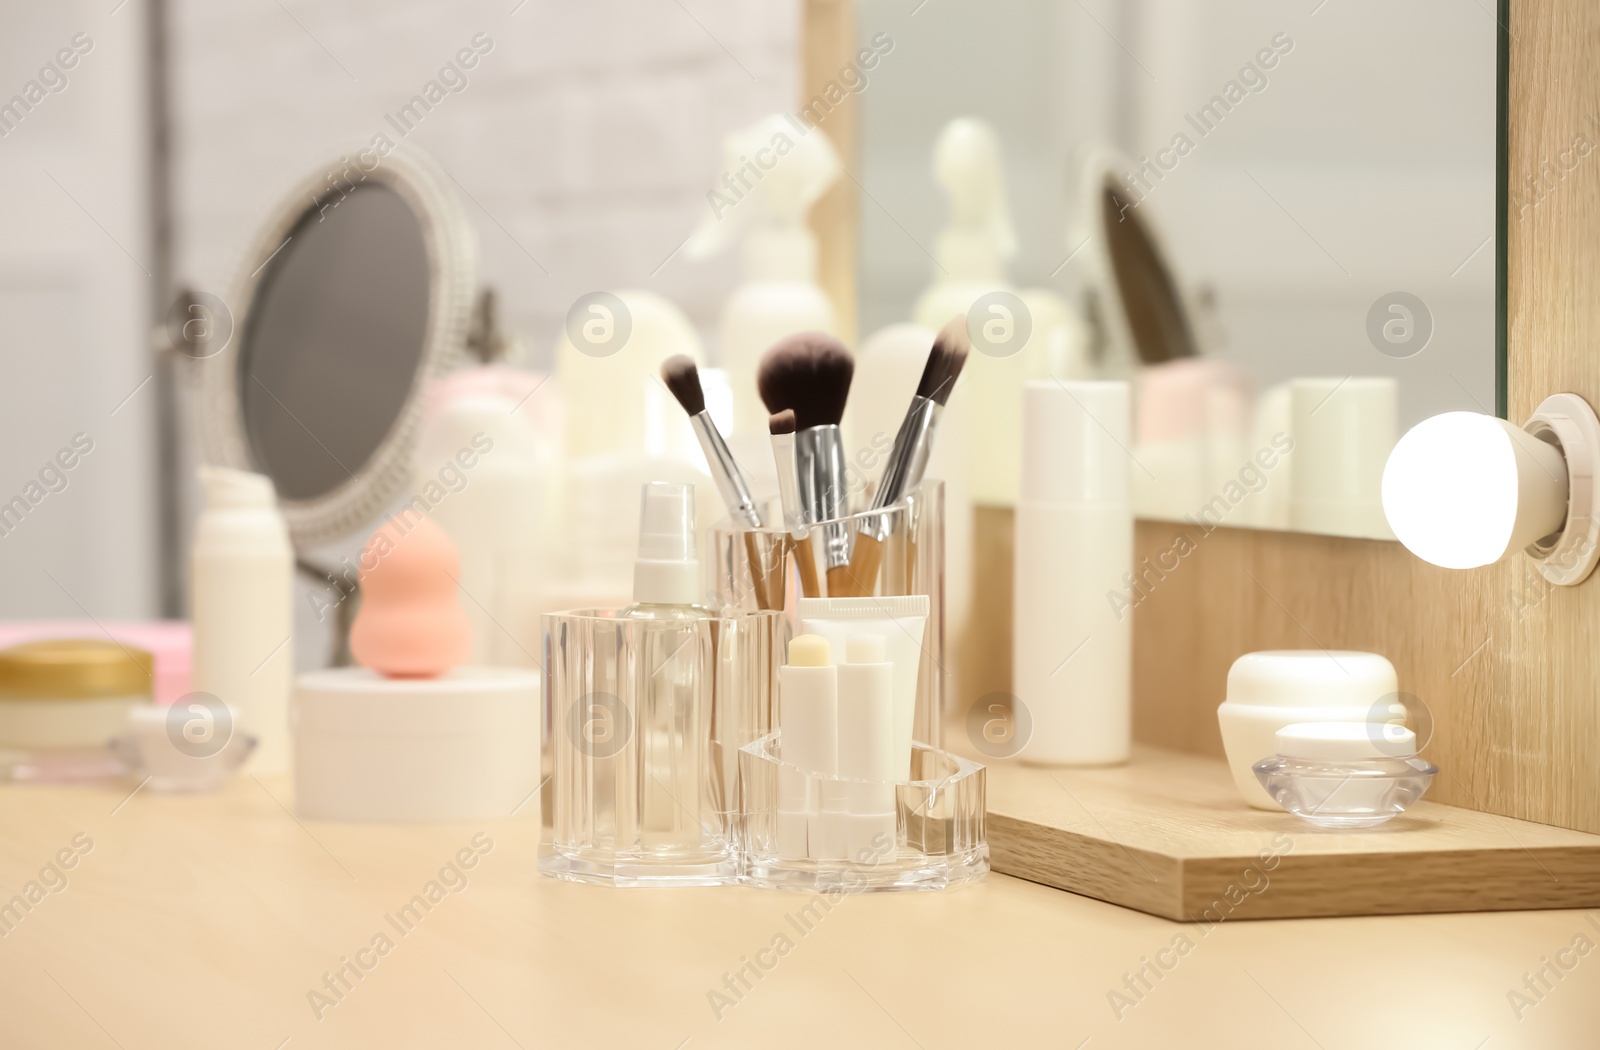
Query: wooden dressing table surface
{"x": 218, "y": 921}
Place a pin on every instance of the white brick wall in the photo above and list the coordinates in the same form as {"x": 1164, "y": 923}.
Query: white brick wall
{"x": 591, "y": 131}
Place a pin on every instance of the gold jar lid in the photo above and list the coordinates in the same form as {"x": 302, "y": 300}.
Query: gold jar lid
{"x": 73, "y": 669}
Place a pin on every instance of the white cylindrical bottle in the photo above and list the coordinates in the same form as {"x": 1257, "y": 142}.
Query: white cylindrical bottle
{"x": 1343, "y": 430}
{"x": 241, "y": 580}
{"x": 1073, "y": 640}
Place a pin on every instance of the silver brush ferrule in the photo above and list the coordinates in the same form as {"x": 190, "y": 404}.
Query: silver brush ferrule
{"x": 730, "y": 479}
{"x": 908, "y": 461}
{"x": 819, "y": 467}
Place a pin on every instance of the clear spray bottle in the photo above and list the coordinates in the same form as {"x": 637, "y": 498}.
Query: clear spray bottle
{"x": 673, "y": 698}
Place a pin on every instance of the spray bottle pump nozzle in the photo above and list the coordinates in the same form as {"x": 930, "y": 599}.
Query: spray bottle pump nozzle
{"x": 667, "y": 571}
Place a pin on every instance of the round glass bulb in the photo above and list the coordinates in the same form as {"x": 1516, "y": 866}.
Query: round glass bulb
{"x": 1455, "y": 484}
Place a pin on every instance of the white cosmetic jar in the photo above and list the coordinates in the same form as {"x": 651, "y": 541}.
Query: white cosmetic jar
{"x": 1276, "y": 688}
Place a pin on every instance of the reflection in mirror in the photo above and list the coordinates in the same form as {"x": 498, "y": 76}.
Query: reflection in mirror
{"x": 333, "y": 341}
{"x": 1279, "y": 224}
{"x": 1149, "y": 298}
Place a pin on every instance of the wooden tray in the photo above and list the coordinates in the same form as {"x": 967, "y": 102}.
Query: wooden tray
{"x": 1168, "y": 834}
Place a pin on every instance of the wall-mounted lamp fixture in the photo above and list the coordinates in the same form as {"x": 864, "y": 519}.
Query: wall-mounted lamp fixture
{"x": 1462, "y": 489}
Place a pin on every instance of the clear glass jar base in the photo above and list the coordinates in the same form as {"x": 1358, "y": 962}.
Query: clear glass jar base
{"x": 1348, "y": 794}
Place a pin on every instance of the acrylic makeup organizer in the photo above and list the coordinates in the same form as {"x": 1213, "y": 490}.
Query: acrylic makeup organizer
{"x": 938, "y": 815}
{"x": 934, "y": 837}
{"x": 658, "y": 735}
{"x": 912, "y": 563}
{"x": 643, "y": 722}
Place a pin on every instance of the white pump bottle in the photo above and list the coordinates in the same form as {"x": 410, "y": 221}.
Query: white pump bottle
{"x": 972, "y": 253}
{"x": 773, "y": 172}
{"x": 241, "y": 580}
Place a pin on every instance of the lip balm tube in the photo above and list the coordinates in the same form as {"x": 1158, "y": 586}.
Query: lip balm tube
{"x": 808, "y": 725}
{"x": 867, "y": 756}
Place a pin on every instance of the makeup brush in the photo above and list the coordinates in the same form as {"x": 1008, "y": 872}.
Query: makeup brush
{"x": 908, "y": 458}
{"x": 682, "y": 377}
{"x": 810, "y": 373}
{"x": 782, "y": 427}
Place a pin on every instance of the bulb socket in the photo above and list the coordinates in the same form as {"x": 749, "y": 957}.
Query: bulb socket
{"x": 1566, "y": 421}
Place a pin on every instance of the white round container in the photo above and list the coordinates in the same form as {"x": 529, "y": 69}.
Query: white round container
{"x": 1276, "y": 688}
{"x": 464, "y": 746}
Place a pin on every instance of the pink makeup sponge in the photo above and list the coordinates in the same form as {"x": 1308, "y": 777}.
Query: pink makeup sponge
{"x": 411, "y": 624}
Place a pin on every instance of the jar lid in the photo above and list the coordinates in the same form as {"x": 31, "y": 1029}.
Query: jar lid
{"x": 1311, "y": 678}
{"x": 74, "y": 669}
{"x": 1346, "y": 741}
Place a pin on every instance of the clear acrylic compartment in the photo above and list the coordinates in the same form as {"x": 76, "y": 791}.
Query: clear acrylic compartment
{"x": 643, "y": 722}
{"x": 1358, "y": 793}
{"x": 934, "y": 836}
{"x": 912, "y": 562}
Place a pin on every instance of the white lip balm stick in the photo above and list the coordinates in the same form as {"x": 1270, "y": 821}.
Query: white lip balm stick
{"x": 867, "y": 755}
{"x": 808, "y": 725}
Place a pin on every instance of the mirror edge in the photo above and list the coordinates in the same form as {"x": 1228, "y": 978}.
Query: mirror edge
{"x": 452, "y": 253}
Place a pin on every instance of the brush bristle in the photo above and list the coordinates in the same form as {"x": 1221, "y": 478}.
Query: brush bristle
{"x": 683, "y": 379}
{"x": 945, "y": 361}
{"x": 781, "y": 422}
{"x": 809, "y": 373}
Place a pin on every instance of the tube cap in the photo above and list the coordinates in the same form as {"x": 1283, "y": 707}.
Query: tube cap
{"x": 667, "y": 571}
{"x": 1075, "y": 441}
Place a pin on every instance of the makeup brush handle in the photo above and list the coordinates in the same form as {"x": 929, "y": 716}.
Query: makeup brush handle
{"x": 864, "y": 562}
{"x": 758, "y": 574}
{"x": 841, "y": 582}
{"x": 725, "y": 472}
{"x": 806, "y": 562}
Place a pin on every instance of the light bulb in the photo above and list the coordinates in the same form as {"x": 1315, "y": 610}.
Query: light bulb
{"x": 1462, "y": 489}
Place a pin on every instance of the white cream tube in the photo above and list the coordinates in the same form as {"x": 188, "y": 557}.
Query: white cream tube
{"x": 867, "y": 747}
{"x": 808, "y": 742}
{"x": 899, "y": 620}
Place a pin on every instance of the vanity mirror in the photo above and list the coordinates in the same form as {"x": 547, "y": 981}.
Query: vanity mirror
{"x": 357, "y": 291}
{"x": 1279, "y": 223}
